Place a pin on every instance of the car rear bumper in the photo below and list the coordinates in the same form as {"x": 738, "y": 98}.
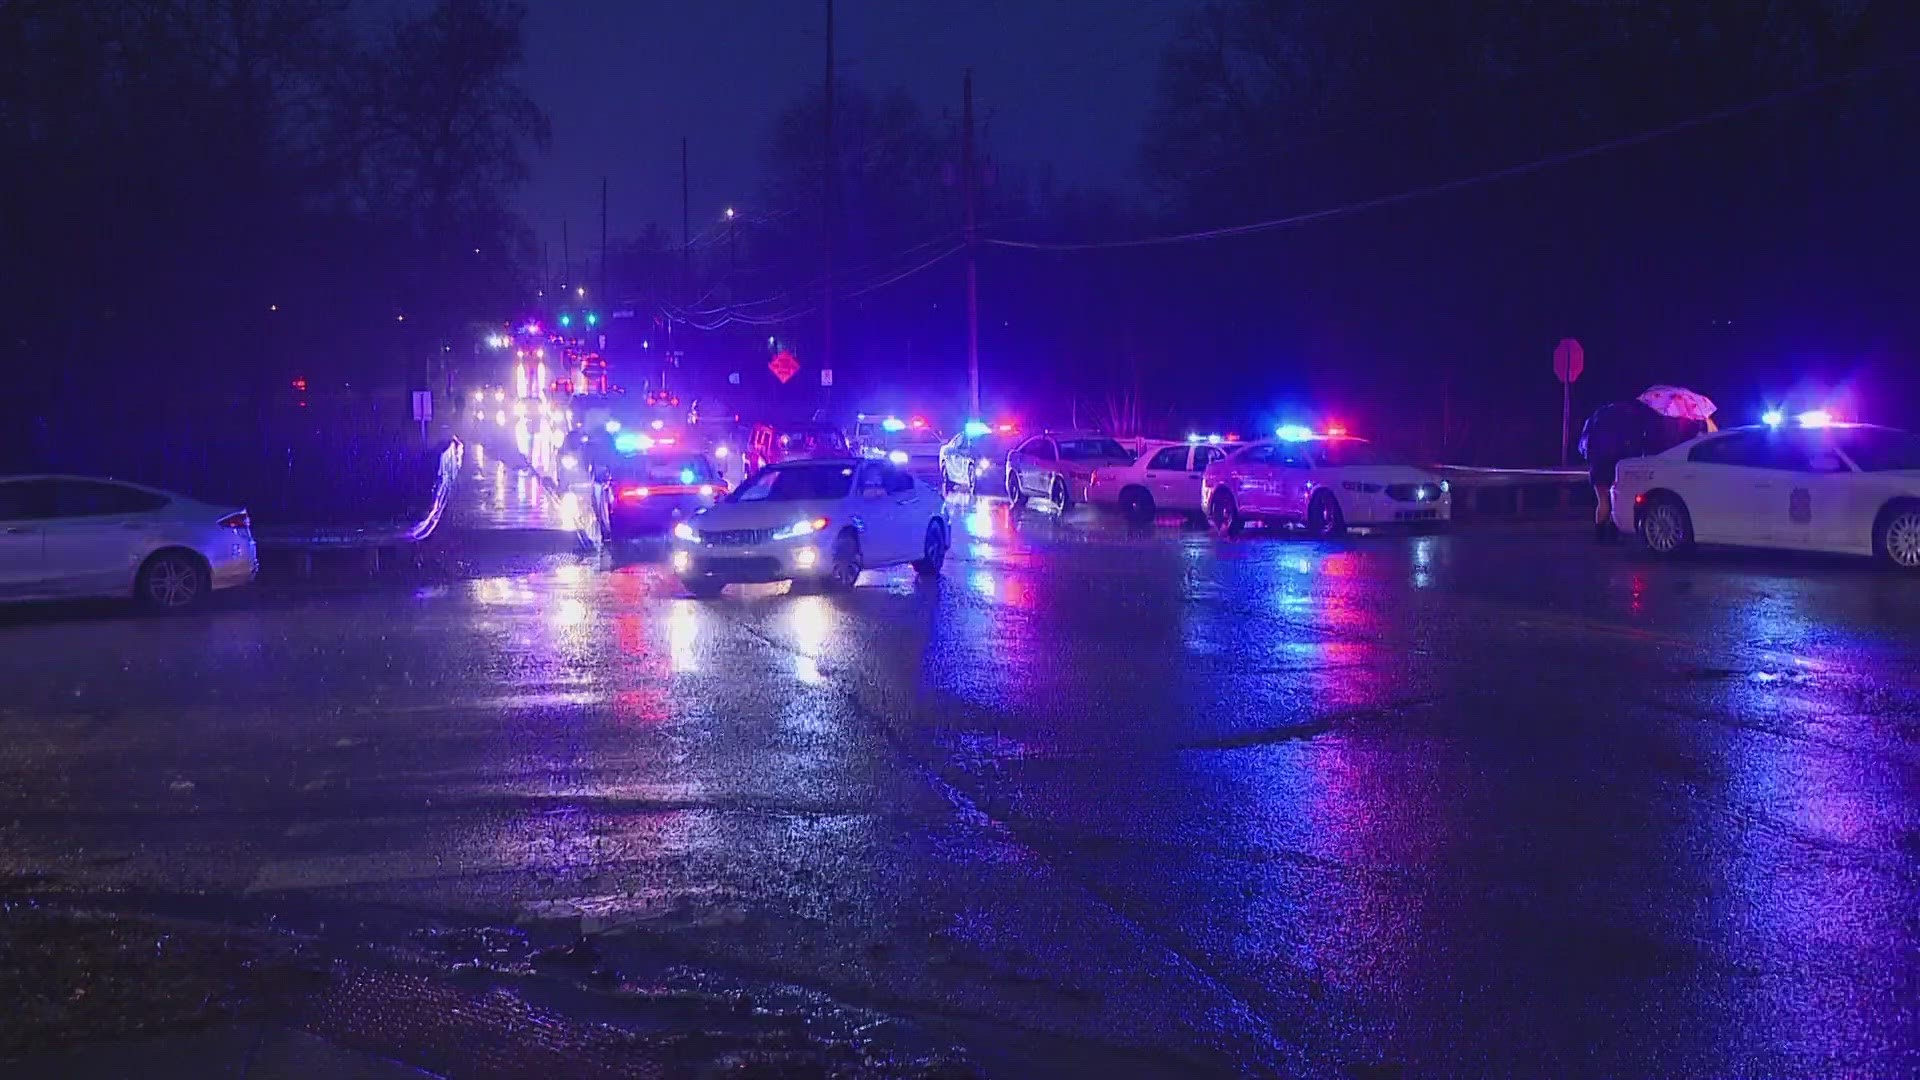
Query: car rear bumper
{"x": 234, "y": 570}
{"x": 653, "y": 516}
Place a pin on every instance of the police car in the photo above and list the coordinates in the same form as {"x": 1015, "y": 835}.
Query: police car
{"x": 1807, "y": 484}
{"x": 1324, "y": 482}
{"x": 1164, "y": 477}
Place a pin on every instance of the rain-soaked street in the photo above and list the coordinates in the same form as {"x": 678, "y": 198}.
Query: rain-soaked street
{"x": 1141, "y": 803}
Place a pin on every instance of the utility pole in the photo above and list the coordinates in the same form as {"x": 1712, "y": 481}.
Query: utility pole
{"x": 973, "y": 291}
{"x": 832, "y": 192}
{"x": 604, "y": 298}
{"x": 546, "y": 270}
{"x": 686, "y": 231}
{"x": 566, "y": 257}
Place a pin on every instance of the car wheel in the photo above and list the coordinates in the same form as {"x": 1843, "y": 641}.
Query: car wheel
{"x": 702, "y": 588}
{"x": 1324, "y": 517}
{"x": 1137, "y": 505}
{"x": 845, "y": 572}
{"x": 1062, "y": 502}
{"x": 1666, "y": 527}
{"x": 1225, "y": 515}
{"x": 1896, "y": 539}
{"x": 933, "y": 551}
{"x": 172, "y": 580}
{"x": 1015, "y": 493}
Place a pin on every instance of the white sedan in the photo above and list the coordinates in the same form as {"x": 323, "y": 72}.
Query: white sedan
{"x": 70, "y": 536}
{"x": 1323, "y": 482}
{"x": 1844, "y": 488}
{"x": 815, "y": 520}
{"x": 1164, "y": 477}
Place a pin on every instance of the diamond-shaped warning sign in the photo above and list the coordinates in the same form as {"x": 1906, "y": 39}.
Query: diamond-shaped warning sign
{"x": 784, "y": 366}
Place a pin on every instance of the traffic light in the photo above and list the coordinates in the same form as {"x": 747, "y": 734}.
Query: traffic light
{"x": 566, "y": 319}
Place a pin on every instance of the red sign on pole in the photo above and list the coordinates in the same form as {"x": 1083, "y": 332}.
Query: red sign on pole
{"x": 783, "y": 366}
{"x": 1569, "y": 359}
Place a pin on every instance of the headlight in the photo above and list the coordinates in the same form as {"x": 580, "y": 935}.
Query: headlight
{"x": 898, "y": 457}
{"x": 1444, "y": 487}
{"x": 799, "y": 529}
{"x": 986, "y": 463}
{"x": 568, "y": 461}
{"x": 720, "y": 452}
{"x": 684, "y": 531}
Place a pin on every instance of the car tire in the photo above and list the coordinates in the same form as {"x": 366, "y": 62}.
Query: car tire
{"x": 1137, "y": 505}
{"x": 1224, "y": 514}
{"x": 933, "y": 551}
{"x": 1062, "y": 498}
{"x": 1665, "y": 527}
{"x": 1015, "y": 493}
{"x": 1324, "y": 517}
{"x": 844, "y": 572}
{"x": 1896, "y": 536}
{"x": 701, "y": 588}
{"x": 173, "y": 580}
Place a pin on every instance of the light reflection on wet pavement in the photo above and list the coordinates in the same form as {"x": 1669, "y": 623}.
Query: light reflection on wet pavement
{"x": 1462, "y": 804}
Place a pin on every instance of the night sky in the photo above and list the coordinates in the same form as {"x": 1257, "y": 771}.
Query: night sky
{"x": 1065, "y": 82}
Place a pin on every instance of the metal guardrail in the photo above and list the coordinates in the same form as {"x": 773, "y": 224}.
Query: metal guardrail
{"x": 375, "y": 540}
{"x": 1518, "y": 494}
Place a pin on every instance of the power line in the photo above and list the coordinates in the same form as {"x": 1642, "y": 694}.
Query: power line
{"x": 1448, "y": 186}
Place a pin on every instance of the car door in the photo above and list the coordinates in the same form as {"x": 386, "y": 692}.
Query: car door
{"x": 911, "y": 505}
{"x": 1252, "y": 479}
{"x": 1294, "y": 477}
{"x": 99, "y": 533}
{"x": 1732, "y": 486}
{"x": 1163, "y": 472}
{"x": 1812, "y": 505}
{"x": 1033, "y": 463}
{"x": 25, "y": 506}
{"x": 1186, "y": 491}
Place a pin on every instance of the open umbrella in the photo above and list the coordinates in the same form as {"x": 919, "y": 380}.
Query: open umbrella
{"x": 1677, "y": 402}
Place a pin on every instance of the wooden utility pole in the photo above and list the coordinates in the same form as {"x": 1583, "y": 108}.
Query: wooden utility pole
{"x": 566, "y": 258}
{"x": 686, "y": 231}
{"x": 604, "y": 298}
{"x": 973, "y": 294}
{"x": 831, "y": 162}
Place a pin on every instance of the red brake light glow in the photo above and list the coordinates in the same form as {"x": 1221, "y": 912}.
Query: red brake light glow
{"x": 236, "y": 521}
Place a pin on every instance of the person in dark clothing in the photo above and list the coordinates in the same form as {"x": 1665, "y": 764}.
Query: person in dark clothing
{"x": 1619, "y": 430}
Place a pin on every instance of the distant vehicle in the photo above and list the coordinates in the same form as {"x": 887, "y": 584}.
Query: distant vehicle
{"x": 69, "y": 536}
{"x": 977, "y": 463}
{"x": 817, "y": 521}
{"x": 913, "y": 444}
{"x": 1164, "y": 477}
{"x": 1808, "y": 485}
{"x": 646, "y": 493}
{"x": 769, "y": 444}
{"x": 1059, "y": 465}
{"x": 1323, "y": 482}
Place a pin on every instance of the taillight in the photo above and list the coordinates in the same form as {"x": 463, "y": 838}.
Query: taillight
{"x": 634, "y": 494}
{"x": 236, "y": 521}
{"x": 1640, "y": 499}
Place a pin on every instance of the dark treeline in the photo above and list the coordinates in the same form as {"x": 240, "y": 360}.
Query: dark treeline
{"x": 208, "y": 198}
{"x": 214, "y": 196}
{"x": 1759, "y": 252}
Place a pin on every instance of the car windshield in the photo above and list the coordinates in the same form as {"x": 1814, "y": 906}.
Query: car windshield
{"x": 1880, "y": 449}
{"x": 1092, "y": 449}
{"x": 664, "y": 469}
{"x": 1342, "y": 452}
{"x": 793, "y": 483}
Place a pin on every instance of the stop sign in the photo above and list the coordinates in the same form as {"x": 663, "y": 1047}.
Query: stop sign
{"x": 1569, "y": 359}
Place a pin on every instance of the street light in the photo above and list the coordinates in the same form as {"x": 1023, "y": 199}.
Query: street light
{"x": 581, "y": 291}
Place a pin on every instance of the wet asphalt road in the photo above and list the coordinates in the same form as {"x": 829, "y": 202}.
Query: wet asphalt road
{"x": 1154, "y": 803}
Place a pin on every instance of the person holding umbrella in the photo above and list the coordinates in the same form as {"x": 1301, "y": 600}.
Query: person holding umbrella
{"x": 1660, "y": 418}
